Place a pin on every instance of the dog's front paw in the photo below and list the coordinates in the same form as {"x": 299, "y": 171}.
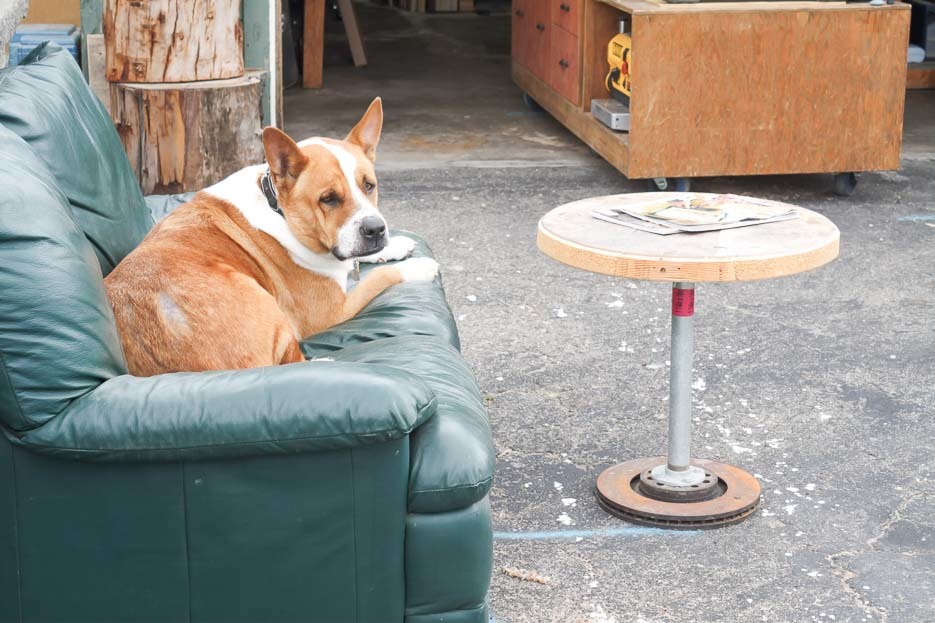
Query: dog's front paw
{"x": 418, "y": 269}
{"x": 398, "y": 248}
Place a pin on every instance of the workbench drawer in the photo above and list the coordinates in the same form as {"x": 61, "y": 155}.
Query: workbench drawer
{"x": 564, "y": 69}
{"x": 565, "y": 14}
{"x": 531, "y": 32}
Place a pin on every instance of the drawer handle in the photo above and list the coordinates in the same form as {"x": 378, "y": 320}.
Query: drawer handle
{"x": 520, "y": 13}
{"x": 565, "y": 7}
{"x": 540, "y": 26}
{"x": 563, "y": 63}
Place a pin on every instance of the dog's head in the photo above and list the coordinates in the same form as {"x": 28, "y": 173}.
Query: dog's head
{"x": 327, "y": 189}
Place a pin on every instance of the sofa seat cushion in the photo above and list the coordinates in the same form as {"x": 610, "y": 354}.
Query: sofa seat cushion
{"x": 46, "y": 101}
{"x": 452, "y": 453}
{"x": 58, "y": 340}
{"x": 405, "y": 309}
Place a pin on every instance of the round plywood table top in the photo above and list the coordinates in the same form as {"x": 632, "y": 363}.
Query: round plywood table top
{"x": 572, "y": 236}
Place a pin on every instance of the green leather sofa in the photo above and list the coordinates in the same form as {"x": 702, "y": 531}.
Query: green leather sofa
{"x": 352, "y": 490}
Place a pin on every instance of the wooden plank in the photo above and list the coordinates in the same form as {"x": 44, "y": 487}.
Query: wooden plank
{"x": 767, "y": 93}
{"x": 96, "y": 65}
{"x": 572, "y": 236}
{"x": 173, "y": 40}
{"x": 612, "y": 146}
{"x": 185, "y": 136}
{"x": 313, "y": 44}
{"x": 921, "y": 76}
{"x": 652, "y": 7}
{"x": 349, "y": 17}
{"x": 601, "y": 23}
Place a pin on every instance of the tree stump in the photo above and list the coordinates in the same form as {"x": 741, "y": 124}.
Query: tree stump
{"x": 173, "y": 40}
{"x": 185, "y": 136}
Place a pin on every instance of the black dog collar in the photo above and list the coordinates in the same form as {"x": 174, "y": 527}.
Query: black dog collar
{"x": 266, "y": 185}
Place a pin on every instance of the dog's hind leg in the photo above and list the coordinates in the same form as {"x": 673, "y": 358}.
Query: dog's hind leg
{"x": 287, "y": 349}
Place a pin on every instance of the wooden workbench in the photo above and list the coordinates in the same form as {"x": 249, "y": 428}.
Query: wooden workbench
{"x": 740, "y": 88}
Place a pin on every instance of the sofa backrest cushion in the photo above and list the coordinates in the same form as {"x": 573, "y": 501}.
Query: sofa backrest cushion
{"x": 58, "y": 339}
{"x": 46, "y": 101}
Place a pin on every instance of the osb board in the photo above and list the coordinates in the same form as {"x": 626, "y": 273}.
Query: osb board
{"x": 183, "y": 137}
{"x": 921, "y": 76}
{"x": 572, "y": 236}
{"x": 612, "y": 146}
{"x": 53, "y": 12}
{"x": 801, "y": 91}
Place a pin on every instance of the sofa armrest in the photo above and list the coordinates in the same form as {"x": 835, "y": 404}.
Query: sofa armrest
{"x": 207, "y": 415}
{"x": 453, "y": 455}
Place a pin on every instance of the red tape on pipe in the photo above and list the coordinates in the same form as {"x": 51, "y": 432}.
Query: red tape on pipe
{"x": 683, "y": 302}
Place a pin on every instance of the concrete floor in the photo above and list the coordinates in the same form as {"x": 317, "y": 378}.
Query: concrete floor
{"x": 821, "y": 384}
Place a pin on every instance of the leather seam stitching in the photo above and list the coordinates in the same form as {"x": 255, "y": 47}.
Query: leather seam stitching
{"x": 188, "y": 550}
{"x": 479, "y": 483}
{"x": 6, "y": 375}
{"x": 16, "y": 522}
{"x": 354, "y": 530}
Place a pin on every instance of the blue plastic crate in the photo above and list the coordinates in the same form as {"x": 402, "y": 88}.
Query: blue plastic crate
{"x": 28, "y": 36}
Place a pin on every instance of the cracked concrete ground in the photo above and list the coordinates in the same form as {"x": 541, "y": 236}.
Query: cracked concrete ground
{"x": 821, "y": 384}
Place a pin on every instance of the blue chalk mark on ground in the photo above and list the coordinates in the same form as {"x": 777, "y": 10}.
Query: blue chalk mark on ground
{"x": 916, "y": 218}
{"x": 555, "y": 535}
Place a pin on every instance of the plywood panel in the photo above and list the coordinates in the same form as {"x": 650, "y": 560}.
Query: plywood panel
{"x": 53, "y": 12}
{"x": 564, "y": 68}
{"x": 768, "y": 92}
{"x": 601, "y": 23}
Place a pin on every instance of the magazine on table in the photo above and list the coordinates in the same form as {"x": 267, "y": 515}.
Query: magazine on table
{"x": 693, "y": 213}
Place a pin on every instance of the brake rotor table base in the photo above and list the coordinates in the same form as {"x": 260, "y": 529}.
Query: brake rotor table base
{"x": 622, "y": 491}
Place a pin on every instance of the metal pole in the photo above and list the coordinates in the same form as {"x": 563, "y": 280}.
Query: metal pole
{"x": 680, "y": 386}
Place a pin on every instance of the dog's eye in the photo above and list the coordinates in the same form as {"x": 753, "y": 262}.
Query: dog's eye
{"x": 369, "y": 186}
{"x": 330, "y": 200}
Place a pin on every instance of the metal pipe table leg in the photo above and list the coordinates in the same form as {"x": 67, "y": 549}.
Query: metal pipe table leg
{"x": 675, "y": 490}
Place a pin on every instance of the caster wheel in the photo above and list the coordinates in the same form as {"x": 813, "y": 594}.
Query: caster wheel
{"x": 532, "y": 104}
{"x": 677, "y": 184}
{"x": 845, "y": 184}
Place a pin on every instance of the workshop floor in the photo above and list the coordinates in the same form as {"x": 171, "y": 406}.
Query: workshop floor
{"x": 821, "y": 384}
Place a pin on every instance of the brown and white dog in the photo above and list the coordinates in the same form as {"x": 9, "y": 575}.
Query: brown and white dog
{"x": 235, "y": 277}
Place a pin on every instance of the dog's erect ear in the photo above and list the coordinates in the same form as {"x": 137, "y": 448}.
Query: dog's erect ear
{"x": 366, "y": 134}
{"x": 284, "y": 157}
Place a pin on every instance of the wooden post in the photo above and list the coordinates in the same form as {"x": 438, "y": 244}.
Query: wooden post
{"x": 173, "y": 40}
{"x": 313, "y": 44}
{"x": 186, "y": 136}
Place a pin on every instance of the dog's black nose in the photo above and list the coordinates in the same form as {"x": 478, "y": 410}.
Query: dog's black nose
{"x": 372, "y": 227}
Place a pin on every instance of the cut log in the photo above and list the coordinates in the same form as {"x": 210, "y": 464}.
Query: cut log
{"x": 173, "y": 40}
{"x": 185, "y": 136}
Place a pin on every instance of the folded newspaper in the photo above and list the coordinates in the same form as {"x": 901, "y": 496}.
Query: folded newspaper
{"x": 694, "y": 213}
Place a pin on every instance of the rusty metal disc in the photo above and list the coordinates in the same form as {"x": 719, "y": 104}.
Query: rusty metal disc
{"x": 710, "y": 487}
{"x": 618, "y": 492}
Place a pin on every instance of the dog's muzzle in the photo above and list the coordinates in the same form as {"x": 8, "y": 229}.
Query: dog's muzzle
{"x": 371, "y": 238}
